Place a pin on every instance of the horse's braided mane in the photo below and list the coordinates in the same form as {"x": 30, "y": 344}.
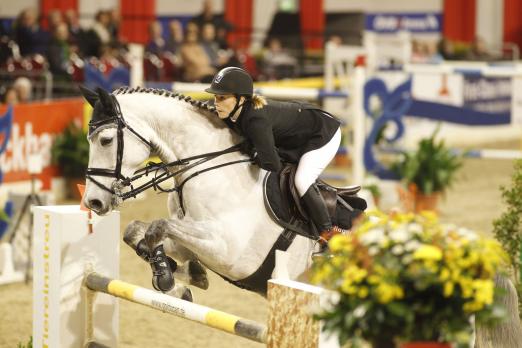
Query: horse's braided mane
{"x": 202, "y": 105}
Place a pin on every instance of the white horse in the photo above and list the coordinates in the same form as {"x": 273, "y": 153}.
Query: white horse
{"x": 222, "y": 221}
{"x": 223, "y": 224}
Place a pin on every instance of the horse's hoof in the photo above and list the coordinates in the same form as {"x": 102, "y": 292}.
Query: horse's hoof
{"x": 198, "y": 275}
{"x": 162, "y": 274}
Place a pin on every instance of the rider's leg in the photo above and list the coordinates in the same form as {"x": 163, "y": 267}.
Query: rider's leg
{"x": 311, "y": 165}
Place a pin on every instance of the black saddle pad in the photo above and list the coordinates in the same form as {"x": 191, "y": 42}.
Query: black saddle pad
{"x": 280, "y": 211}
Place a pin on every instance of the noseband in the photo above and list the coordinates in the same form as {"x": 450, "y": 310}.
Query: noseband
{"x": 162, "y": 171}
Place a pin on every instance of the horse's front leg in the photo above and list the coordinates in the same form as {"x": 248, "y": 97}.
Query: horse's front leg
{"x": 193, "y": 235}
{"x": 189, "y": 271}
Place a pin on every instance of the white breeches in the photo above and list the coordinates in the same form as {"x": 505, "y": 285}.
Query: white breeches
{"x": 312, "y": 163}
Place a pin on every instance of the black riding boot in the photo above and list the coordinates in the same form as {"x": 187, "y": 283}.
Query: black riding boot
{"x": 316, "y": 208}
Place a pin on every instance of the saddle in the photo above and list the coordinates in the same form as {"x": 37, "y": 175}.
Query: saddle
{"x": 284, "y": 204}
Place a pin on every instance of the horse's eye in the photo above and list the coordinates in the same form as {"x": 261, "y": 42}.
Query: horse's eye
{"x": 105, "y": 141}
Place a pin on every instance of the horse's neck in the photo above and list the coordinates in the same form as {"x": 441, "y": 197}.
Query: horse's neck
{"x": 178, "y": 129}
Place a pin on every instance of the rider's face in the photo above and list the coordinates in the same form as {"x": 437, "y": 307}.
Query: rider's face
{"x": 224, "y": 104}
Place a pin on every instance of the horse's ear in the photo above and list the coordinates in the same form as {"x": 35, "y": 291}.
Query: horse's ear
{"x": 89, "y": 95}
{"x": 106, "y": 99}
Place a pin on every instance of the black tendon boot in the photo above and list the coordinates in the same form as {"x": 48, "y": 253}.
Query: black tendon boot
{"x": 316, "y": 208}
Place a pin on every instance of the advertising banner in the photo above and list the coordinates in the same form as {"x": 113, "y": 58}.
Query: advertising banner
{"x": 34, "y": 126}
{"x": 412, "y": 22}
{"x": 487, "y": 94}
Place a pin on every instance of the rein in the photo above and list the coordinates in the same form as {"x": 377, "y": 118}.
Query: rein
{"x": 122, "y": 181}
{"x": 165, "y": 175}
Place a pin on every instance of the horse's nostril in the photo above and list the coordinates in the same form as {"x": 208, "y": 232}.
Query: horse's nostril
{"x": 95, "y": 204}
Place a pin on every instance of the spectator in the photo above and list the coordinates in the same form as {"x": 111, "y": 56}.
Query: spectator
{"x": 196, "y": 63}
{"x": 54, "y": 18}
{"x": 336, "y": 40}
{"x": 101, "y": 27}
{"x": 431, "y": 52}
{"x": 418, "y": 54}
{"x": 28, "y": 35}
{"x": 175, "y": 39}
{"x": 84, "y": 42}
{"x": 24, "y": 89}
{"x": 218, "y": 58}
{"x": 59, "y": 53}
{"x": 10, "y": 96}
{"x": 446, "y": 49}
{"x": 277, "y": 62}
{"x": 76, "y": 32}
{"x": 478, "y": 50}
{"x": 114, "y": 24}
{"x": 156, "y": 44}
{"x": 221, "y": 26}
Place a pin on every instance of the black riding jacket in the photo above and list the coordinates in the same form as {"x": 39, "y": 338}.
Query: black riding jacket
{"x": 284, "y": 130}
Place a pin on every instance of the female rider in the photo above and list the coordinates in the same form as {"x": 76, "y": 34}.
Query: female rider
{"x": 290, "y": 131}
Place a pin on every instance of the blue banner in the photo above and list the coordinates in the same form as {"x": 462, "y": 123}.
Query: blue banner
{"x": 487, "y": 94}
{"x": 412, "y": 22}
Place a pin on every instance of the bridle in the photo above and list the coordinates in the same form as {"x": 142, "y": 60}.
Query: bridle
{"x": 161, "y": 170}
{"x": 117, "y": 119}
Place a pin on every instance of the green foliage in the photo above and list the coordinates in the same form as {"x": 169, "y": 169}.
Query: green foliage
{"x": 432, "y": 167}
{"x": 374, "y": 190}
{"x": 29, "y": 344}
{"x": 70, "y": 151}
{"x": 508, "y": 228}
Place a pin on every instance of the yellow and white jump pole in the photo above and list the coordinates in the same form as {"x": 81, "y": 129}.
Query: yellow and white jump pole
{"x": 210, "y": 317}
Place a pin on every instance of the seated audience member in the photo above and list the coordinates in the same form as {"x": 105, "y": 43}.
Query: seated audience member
{"x": 76, "y": 33}
{"x": 446, "y": 49}
{"x": 84, "y": 42}
{"x": 219, "y": 58}
{"x": 101, "y": 28}
{"x": 59, "y": 53}
{"x": 28, "y": 35}
{"x": 54, "y": 18}
{"x": 418, "y": 54}
{"x": 277, "y": 62}
{"x": 175, "y": 38}
{"x": 24, "y": 89}
{"x": 221, "y": 26}
{"x": 336, "y": 40}
{"x": 114, "y": 24}
{"x": 196, "y": 63}
{"x": 425, "y": 52}
{"x": 10, "y": 96}
{"x": 479, "y": 50}
{"x": 156, "y": 44}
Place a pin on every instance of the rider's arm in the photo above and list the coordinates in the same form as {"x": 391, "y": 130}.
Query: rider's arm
{"x": 259, "y": 131}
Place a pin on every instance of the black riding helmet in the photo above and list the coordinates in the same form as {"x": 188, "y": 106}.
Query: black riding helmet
{"x": 232, "y": 80}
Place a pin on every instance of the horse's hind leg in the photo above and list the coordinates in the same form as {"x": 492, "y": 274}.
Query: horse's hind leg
{"x": 190, "y": 271}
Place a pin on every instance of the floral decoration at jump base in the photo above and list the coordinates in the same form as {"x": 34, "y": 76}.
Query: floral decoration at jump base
{"x": 403, "y": 278}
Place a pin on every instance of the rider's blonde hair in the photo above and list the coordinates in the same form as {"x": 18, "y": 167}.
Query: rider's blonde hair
{"x": 258, "y": 101}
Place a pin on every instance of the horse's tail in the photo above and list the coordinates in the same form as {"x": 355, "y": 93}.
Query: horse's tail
{"x": 509, "y": 333}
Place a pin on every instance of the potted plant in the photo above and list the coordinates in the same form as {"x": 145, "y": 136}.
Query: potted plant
{"x": 70, "y": 151}
{"x": 404, "y": 278}
{"x": 508, "y": 227}
{"x": 427, "y": 171}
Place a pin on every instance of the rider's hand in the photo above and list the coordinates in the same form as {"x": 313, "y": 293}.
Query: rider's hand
{"x": 248, "y": 149}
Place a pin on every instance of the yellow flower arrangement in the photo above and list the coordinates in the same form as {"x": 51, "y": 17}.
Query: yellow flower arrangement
{"x": 408, "y": 277}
